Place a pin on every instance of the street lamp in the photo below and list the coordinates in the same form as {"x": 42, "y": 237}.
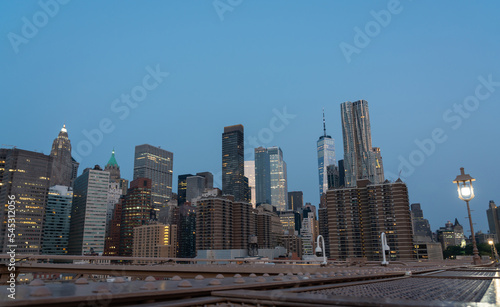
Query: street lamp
{"x": 490, "y": 242}
{"x": 319, "y": 250}
{"x": 466, "y": 193}
{"x": 494, "y": 253}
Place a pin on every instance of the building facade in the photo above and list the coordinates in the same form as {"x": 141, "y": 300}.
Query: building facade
{"x": 156, "y": 164}
{"x": 155, "y": 240}
{"x": 357, "y": 216}
{"x": 493, "y": 214}
{"x": 361, "y": 160}
{"x": 250, "y": 174}
{"x": 62, "y": 172}
{"x": 26, "y": 177}
{"x": 57, "y": 220}
{"x": 186, "y": 233}
{"x": 421, "y": 227}
{"x": 271, "y": 177}
{"x": 233, "y": 162}
{"x": 214, "y": 223}
{"x": 137, "y": 211}
{"x": 88, "y": 213}
{"x": 295, "y": 200}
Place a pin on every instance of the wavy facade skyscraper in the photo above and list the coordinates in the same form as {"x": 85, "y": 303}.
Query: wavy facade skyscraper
{"x": 361, "y": 160}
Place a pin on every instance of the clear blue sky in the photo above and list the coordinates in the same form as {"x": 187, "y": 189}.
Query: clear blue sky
{"x": 238, "y": 64}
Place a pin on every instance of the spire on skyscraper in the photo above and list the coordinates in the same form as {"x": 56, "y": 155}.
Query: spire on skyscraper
{"x": 324, "y": 126}
{"x": 112, "y": 159}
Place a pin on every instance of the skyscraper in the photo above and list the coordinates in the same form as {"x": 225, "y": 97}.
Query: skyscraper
{"x": 250, "y": 174}
{"x": 56, "y": 221}
{"x": 262, "y": 176}
{"x": 493, "y": 214}
{"x": 186, "y": 231}
{"x": 181, "y": 188}
{"x": 156, "y": 164}
{"x": 136, "y": 211}
{"x": 233, "y": 162}
{"x": 421, "y": 227}
{"x": 295, "y": 200}
{"x": 209, "y": 179}
{"x": 88, "y": 214}
{"x": 326, "y": 157}
{"x": 195, "y": 187}
{"x": 26, "y": 176}
{"x": 357, "y": 216}
{"x": 361, "y": 160}
{"x": 279, "y": 184}
{"x": 63, "y": 164}
{"x": 271, "y": 177}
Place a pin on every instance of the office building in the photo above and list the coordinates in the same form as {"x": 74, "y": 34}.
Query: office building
{"x": 57, "y": 220}
{"x": 279, "y": 184}
{"x": 243, "y": 224}
{"x": 181, "y": 188}
{"x": 62, "y": 172}
{"x": 195, "y": 185}
{"x": 250, "y": 174}
{"x": 26, "y": 175}
{"x": 326, "y": 157}
{"x": 295, "y": 200}
{"x": 452, "y": 234}
{"x": 233, "y": 162}
{"x": 262, "y": 176}
{"x": 156, "y": 164}
{"x": 269, "y": 227}
{"x": 112, "y": 243}
{"x": 361, "y": 160}
{"x": 291, "y": 221}
{"x": 493, "y": 214}
{"x": 186, "y": 231}
{"x": 271, "y": 177}
{"x": 421, "y": 228}
{"x": 358, "y": 215}
{"x": 341, "y": 173}
{"x": 88, "y": 213}
{"x": 333, "y": 176}
{"x": 155, "y": 240}
{"x": 209, "y": 179}
{"x": 136, "y": 211}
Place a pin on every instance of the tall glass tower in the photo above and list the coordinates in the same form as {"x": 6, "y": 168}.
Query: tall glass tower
{"x": 326, "y": 157}
{"x": 271, "y": 185}
{"x": 361, "y": 160}
{"x": 233, "y": 162}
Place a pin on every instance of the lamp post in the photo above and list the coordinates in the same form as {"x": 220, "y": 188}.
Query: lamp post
{"x": 490, "y": 242}
{"x": 319, "y": 250}
{"x": 494, "y": 253}
{"x": 466, "y": 193}
{"x": 385, "y": 247}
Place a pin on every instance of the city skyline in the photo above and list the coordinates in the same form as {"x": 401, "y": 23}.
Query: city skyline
{"x": 421, "y": 114}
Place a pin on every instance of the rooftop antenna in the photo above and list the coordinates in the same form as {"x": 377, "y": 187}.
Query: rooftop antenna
{"x": 324, "y": 126}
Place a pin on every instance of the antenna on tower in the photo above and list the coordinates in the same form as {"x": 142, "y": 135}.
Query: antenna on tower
{"x": 324, "y": 126}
